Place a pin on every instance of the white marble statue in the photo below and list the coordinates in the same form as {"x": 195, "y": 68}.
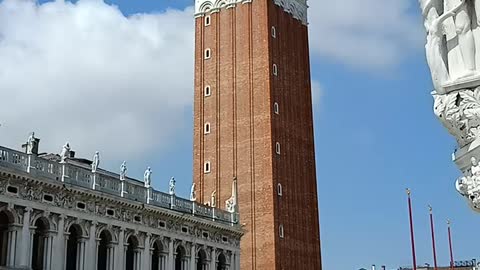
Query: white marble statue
{"x": 123, "y": 170}
{"x": 147, "y": 177}
{"x": 95, "y": 161}
{"x": 65, "y": 153}
{"x": 171, "y": 186}
{"x": 231, "y": 203}
{"x": 193, "y": 193}
{"x": 31, "y": 143}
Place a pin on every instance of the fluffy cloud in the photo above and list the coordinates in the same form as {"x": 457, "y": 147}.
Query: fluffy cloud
{"x": 86, "y": 73}
{"x": 373, "y": 34}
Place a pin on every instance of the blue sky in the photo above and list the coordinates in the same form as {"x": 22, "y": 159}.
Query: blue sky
{"x": 376, "y": 133}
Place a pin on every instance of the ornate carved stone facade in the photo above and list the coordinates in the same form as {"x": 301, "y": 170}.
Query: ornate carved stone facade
{"x": 52, "y": 217}
{"x": 453, "y": 55}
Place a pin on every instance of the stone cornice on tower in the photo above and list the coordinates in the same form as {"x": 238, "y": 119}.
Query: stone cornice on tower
{"x": 298, "y": 8}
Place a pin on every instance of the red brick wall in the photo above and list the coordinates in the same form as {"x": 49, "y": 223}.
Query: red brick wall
{"x": 244, "y": 131}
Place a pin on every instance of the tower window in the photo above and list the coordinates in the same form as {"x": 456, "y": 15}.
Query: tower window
{"x": 275, "y": 69}
{"x": 207, "y": 128}
{"x": 208, "y": 91}
{"x": 274, "y": 32}
{"x": 208, "y": 20}
{"x": 207, "y": 167}
{"x": 208, "y": 54}
{"x": 281, "y": 231}
{"x": 276, "y": 108}
{"x": 279, "y": 189}
{"x": 277, "y": 148}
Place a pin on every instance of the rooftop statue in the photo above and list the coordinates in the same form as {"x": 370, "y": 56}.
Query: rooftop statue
{"x": 123, "y": 170}
{"x": 95, "y": 161}
{"x": 171, "y": 185}
{"x": 193, "y": 193}
{"x": 31, "y": 143}
{"x": 65, "y": 153}
{"x": 147, "y": 177}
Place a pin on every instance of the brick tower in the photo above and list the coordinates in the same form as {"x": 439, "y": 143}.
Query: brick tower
{"x": 253, "y": 121}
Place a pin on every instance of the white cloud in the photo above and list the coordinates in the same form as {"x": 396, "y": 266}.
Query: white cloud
{"x": 86, "y": 73}
{"x": 373, "y": 34}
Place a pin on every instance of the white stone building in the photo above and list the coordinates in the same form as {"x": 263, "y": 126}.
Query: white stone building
{"x": 66, "y": 213}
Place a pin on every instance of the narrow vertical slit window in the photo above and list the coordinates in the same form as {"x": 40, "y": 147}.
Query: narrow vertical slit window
{"x": 208, "y": 20}
{"x": 275, "y": 69}
{"x": 277, "y": 148}
{"x": 279, "y": 189}
{"x": 281, "y": 231}
{"x": 207, "y": 167}
{"x": 208, "y": 53}
{"x": 208, "y": 91}
{"x": 276, "y": 108}
{"x": 207, "y": 128}
{"x": 274, "y": 32}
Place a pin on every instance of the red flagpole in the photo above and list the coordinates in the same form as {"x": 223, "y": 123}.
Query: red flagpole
{"x": 433, "y": 238}
{"x": 411, "y": 230}
{"x": 450, "y": 245}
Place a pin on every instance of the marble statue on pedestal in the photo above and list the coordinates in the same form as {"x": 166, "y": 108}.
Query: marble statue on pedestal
{"x": 95, "y": 161}
{"x": 171, "y": 186}
{"x": 231, "y": 203}
{"x": 147, "y": 177}
{"x": 65, "y": 153}
{"x": 123, "y": 170}
{"x": 213, "y": 199}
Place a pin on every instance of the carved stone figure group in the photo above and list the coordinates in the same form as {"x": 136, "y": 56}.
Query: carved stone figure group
{"x": 469, "y": 186}
{"x": 453, "y": 39}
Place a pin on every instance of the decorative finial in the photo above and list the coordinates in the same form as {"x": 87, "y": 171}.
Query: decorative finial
{"x": 430, "y": 209}
{"x": 409, "y": 192}
{"x": 449, "y": 222}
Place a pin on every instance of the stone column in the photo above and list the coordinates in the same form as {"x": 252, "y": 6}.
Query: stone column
{"x": 213, "y": 260}
{"x": 193, "y": 256}
{"x": 92, "y": 250}
{"x": 25, "y": 240}
{"x": 147, "y": 254}
{"x": 111, "y": 257}
{"x": 12, "y": 245}
{"x": 59, "y": 245}
{"x": 171, "y": 259}
{"x": 97, "y": 246}
{"x": 81, "y": 253}
{"x": 120, "y": 258}
{"x": 48, "y": 251}
{"x": 65, "y": 244}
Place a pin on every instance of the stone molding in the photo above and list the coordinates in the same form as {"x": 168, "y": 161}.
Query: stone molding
{"x": 298, "y": 8}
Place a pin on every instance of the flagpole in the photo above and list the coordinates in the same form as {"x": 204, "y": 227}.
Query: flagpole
{"x": 411, "y": 229}
{"x": 450, "y": 244}
{"x": 432, "y": 227}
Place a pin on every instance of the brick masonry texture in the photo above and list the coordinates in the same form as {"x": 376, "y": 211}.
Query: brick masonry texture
{"x": 245, "y": 130}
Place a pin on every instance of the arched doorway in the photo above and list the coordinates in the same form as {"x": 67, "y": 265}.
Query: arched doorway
{"x": 41, "y": 245}
{"x": 158, "y": 257}
{"x": 132, "y": 260}
{"x": 105, "y": 252}
{"x": 202, "y": 260}
{"x": 75, "y": 248}
{"x": 5, "y": 224}
{"x": 180, "y": 258}
{"x": 222, "y": 262}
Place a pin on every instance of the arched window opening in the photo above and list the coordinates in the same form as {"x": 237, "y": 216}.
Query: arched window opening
{"x": 39, "y": 249}
{"x": 180, "y": 258}
{"x": 208, "y": 91}
{"x": 281, "y": 231}
{"x": 277, "y": 148}
{"x": 133, "y": 254}
{"x": 75, "y": 248}
{"x": 207, "y": 167}
{"x": 159, "y": 258}
{"x": 276, "y": 108}
{"x": 105, "y": 252}
{"x": 274, "y": 32}
{"x": 202, "y": 260}
{"x": 6, "y": 222}
{"x": 208, "y": 53}
{"x": 222, "y": 262}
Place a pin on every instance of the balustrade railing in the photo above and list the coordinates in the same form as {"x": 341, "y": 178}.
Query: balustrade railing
{"x": 107, "y": 182}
